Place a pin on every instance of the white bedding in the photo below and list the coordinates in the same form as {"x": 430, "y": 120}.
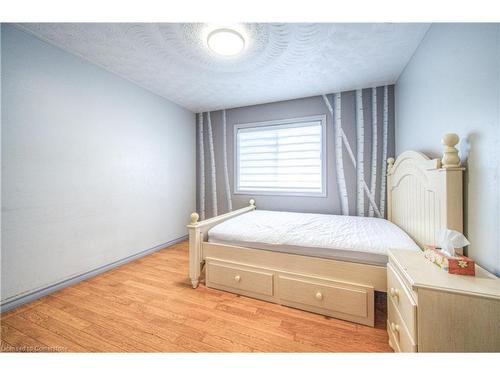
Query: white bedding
{"x": 347, "y": 238}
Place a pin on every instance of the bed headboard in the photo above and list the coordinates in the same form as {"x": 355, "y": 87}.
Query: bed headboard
{"x": 425, "y": 195}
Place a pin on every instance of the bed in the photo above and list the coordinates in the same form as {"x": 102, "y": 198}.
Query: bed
{"x": 345, "y": 238}
{"x": 329, "y": 264}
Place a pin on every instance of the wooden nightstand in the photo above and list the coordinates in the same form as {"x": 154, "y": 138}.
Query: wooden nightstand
{"x": 430, "y": 310}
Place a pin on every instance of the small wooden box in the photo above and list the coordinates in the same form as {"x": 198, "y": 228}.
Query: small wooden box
{"x": 459, "y": 265}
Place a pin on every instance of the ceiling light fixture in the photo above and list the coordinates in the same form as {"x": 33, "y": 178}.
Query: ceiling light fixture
{"x": 225, "y": 42}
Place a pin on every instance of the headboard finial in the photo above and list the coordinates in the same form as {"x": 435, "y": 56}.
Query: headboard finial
{"x": 390, "y": 164}
{"x": 252, "y": 202}
{"x": 450, "y": 153}
{"x": 194, "y": 218}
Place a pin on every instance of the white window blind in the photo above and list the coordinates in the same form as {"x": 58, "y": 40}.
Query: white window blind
{"x": 285, "y": 158}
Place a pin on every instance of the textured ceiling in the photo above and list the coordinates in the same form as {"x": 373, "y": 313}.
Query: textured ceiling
{"x": 280, "y": 61}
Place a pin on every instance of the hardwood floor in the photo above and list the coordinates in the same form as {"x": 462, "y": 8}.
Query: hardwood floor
{"x": 148, "y": 306}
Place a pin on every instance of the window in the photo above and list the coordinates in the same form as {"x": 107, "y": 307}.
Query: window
{"x": 284, "y": 157}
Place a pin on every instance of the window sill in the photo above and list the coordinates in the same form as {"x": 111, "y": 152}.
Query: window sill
{"x": 281, "y": 193}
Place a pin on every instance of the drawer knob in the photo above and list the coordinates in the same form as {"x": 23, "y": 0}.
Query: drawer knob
{"x": 237, "y": 278}
{"x": 319, "y": 296}
{"x": 394, "y": 293}
{"x": 395, "y": 327}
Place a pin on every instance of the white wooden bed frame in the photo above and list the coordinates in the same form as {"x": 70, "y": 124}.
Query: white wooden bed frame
{"x": 423, "y": 196}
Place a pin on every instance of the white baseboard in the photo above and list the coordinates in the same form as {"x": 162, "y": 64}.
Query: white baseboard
{"x": 17, "y": 301}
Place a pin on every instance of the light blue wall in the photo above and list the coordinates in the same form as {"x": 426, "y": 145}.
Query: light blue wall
{"x": 452, "y": 84}
{"x": 94, "y": 168}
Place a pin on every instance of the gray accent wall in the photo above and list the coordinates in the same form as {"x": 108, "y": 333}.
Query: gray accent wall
{"x": 452, "y": 84}
{"x": 94, "y": 169}
{"x": 293, "y": 109}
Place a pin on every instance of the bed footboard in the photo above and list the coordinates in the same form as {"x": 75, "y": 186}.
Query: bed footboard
{"x": 198, "y": 232}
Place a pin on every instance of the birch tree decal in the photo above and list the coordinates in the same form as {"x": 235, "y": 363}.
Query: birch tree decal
{"x": 350, "y": 183}
{"x": 337, "y": 120}
{"x": 201, "y": 153}
{"x": 212, "y": 165}
{"x": 384, "y": 150}
{"x": 360, "y": 135}
{"x": 373, "y": 180}
{"x": 226, "y": 173}
{"x": 340, "y": 168}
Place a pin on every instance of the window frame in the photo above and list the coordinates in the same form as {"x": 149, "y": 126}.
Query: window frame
{"x": 283, "y": 123}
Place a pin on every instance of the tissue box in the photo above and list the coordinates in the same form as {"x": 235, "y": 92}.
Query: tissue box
{"x": 459, "y": 264}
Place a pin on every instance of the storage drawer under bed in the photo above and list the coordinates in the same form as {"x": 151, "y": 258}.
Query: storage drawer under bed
{"x": 343, "y": 300}
{"x": 239, "y": 278}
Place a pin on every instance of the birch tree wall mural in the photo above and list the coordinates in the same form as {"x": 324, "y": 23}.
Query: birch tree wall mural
{"x": 360, "y": 159}
{"x": 339, "y": 160}
{"x": 201, "y": 168}
{"x": 212, "y": 165}
{"x": 226, "y": 172}
{"x": 359, "y": 139}
{"x": 384, "y": 149}
{"x": 373, "y": 179}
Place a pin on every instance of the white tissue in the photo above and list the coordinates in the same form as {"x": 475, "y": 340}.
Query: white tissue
{"x": 449, "y": 240}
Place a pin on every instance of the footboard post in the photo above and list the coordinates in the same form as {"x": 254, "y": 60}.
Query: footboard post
{"x": 198, "y": 232}
{"x": 194, "y": 250}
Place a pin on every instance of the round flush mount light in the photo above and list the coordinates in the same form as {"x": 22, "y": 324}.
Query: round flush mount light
{"x": 225, "y": 42}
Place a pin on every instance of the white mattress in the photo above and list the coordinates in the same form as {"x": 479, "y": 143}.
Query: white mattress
{"x": 347, "y": 238}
